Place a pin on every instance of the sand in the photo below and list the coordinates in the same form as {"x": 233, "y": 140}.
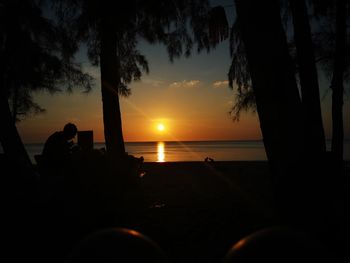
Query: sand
{"x": 195, "y": 211}
{"x": 198, "y": 210}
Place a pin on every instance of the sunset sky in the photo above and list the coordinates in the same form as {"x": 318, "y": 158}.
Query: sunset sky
{"x": 190, "y": 97}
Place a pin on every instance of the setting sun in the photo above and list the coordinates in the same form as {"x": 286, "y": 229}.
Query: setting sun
{"x": 160, "y": 127}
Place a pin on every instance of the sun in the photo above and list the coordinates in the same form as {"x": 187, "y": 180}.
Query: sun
{"x": 160, "y": 127}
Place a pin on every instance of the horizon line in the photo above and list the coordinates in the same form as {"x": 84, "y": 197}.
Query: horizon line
{"x": 172, "y": 141}
{"x": 246, "y": 140}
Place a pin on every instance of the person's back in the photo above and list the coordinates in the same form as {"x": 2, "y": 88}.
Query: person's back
{"x": 57, "y": 149}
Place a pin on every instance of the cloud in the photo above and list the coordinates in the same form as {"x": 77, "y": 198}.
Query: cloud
{"x": 185, "y": 84}
{"x": 220, "y": 84}
{"x": 153, "y": 82}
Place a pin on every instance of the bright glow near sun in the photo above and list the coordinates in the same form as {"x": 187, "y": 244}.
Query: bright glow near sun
{"x": 160, "y": 127}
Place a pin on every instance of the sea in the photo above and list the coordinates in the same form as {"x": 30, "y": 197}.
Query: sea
{"x": 174, "y": 151}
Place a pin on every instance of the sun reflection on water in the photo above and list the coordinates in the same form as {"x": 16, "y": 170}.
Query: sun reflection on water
{"x": 160, "y": 152}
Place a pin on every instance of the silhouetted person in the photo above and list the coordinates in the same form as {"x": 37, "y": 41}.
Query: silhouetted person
{"x": 58, "y": 149}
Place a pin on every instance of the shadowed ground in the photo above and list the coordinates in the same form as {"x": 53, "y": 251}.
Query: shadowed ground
{"x": 198, "y": 210}
{"x": 195, "y": 211}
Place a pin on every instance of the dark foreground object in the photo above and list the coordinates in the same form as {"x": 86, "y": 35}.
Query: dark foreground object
{"x": 195, "y": 211}
{"x": 278, "y": 244}
{"x": 117, "y": 245}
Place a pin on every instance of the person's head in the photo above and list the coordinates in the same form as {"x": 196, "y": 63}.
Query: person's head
{"x": 70, "y": 130}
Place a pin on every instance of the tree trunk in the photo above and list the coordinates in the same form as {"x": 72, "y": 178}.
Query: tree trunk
{"x": 298, "y": 193}
{"x": 308, "y": 80}
{"x": 337, "y": 85}
{"x": 18, "y": 172}
{"x": 110, "y": 81}
{"x": 10, "y": 140}
{"x": 273, "y": 82}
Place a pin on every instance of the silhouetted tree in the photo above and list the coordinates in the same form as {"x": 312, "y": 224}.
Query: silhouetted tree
{"x": 112, "y": 34}
{"x": 332, "y": 41}
{"x": 239, "y": 74}
{"x": 337, "y": 84}
{"x": 321, "y": 38}
{"x": 273, "y": 81}
{"x": 308, "y": 78}
{"x": 31, "y": 59}
{"x": 305, "y": 192}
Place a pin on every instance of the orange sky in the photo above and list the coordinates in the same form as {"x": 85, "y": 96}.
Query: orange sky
{"x": 190, "y": 97}
{"x": 184, "y": 117}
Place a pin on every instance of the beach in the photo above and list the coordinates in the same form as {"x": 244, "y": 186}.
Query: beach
{"x": 195, "y": 211}
{"x": 198, "y": 209}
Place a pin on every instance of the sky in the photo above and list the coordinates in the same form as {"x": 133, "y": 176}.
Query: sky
{"x": 190, "y": 97}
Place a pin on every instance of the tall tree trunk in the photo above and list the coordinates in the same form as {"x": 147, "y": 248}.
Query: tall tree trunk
{"x": 19, "y": 173}
{"x": 273, "y": 82}
{"x": 308, "y": 80}
{"x": 10, "y": 140}
{"x": 337, "y": 85}
{"x": 110, "y": 81}
{"x": 297, "y": 190}
{"x": 21, "y": 182}
{"x": 327, "y": 191}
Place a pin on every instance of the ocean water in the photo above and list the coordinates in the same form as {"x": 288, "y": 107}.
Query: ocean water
{"x": 191, "y": 150}
{"x": 184, "y": 151}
